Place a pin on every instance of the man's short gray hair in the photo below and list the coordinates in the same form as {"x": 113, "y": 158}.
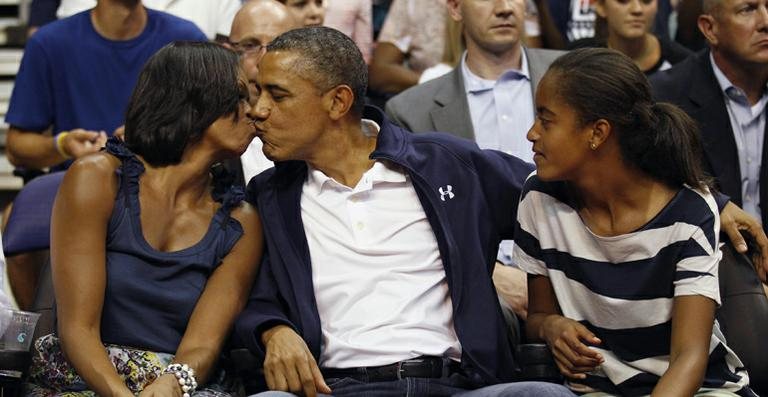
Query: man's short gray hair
{"x": 327, "y": 57}
{"x": 709, "y": 6}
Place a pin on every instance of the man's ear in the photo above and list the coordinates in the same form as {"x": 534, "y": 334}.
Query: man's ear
{"x": 708, "y": 27}
{"x": 339, "y": 101}
{"x": 600, "y": 8}
{"x": 454, "y": 10}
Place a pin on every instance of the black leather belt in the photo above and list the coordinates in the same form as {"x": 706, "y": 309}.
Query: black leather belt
{"x": 419, "y": 367}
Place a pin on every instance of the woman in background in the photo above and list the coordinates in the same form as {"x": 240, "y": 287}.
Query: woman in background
{"x": 627, "y": 25}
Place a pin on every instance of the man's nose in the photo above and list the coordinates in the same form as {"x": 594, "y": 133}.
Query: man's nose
{"x": 762, "y": 15}
{"x": 506, "y": 7}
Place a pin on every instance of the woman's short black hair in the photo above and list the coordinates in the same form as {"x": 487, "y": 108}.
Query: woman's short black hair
{"x": 181, "y": 91}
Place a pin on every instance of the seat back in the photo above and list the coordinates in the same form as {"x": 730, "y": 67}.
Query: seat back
{"x": 29, "y": 229}
{"x": 743, "y": 315}
{"x": 29, "y": 224}
{"x": 45, "y": 303}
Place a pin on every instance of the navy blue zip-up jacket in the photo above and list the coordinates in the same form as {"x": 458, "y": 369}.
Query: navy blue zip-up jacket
{"x": 469, "y": 223}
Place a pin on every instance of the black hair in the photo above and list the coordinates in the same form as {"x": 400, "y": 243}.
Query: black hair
{"x": 657, "y": 138}
{"x": 329, "y": 58}
{"x": 181, "y": 91}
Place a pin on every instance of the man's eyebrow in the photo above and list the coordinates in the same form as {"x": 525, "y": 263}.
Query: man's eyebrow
{"x": 275, "y": 87}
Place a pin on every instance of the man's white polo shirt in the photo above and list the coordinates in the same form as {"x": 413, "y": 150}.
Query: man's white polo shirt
{"x": 378, "y": 278}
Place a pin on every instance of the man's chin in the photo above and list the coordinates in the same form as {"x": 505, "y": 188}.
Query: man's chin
{"x": 129, "y": 3}
{"x": 270, "y": 154}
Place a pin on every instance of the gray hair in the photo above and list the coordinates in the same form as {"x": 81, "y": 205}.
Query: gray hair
{"x": 329, "y": 58}
{"x": 709, "y": 6}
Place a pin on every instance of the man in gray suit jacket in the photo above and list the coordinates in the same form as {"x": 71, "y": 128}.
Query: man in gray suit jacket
{"x": 488, "y": 98}
{"x": 442, "y": 104}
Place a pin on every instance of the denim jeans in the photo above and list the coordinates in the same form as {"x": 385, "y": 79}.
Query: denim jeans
{"x": 455, "y": 385}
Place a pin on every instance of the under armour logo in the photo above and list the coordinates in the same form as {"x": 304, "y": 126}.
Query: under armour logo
{"x": 446, "y": 192}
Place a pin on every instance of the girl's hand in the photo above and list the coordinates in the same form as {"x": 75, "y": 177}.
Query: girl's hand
{"x": 164, "y": 386}
{"x": 566, "y": 338}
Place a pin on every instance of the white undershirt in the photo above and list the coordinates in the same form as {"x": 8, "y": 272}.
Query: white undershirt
{"x": 378, "y": 278}
{"x": 254, "y": 161}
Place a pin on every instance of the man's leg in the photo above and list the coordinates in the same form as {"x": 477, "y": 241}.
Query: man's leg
{"x": 278, "y": 394}
{"x": 520, "y": 389}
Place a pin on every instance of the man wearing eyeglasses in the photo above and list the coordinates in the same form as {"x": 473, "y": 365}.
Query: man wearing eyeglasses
{"x": 256, "y": 24}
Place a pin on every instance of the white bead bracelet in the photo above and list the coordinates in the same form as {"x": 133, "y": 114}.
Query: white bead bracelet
{"x": 185, "y": 376}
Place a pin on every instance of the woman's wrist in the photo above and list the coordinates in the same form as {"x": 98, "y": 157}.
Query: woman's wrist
{"x": 120, "y": 390}
{"x": 185, "y": 377}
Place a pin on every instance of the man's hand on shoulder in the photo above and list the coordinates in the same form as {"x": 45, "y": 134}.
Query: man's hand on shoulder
{"x": 289, "y": 365}
{"x": 733, "y": 220}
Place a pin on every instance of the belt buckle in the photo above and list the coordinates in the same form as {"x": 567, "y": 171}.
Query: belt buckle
{"x": 400, "y": 370}
{"x": 400, "y": 366}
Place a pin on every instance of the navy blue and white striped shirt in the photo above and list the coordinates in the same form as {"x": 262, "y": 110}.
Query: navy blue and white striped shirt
{"x": 622, "y": 288}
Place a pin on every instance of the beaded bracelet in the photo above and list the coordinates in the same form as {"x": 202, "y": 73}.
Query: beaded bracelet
{"x": 186, "y": 377}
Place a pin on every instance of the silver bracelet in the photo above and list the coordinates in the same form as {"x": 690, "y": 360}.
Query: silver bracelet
{"x": 185, "y": 376}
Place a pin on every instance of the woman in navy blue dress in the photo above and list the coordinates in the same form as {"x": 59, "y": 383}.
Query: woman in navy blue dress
{"x": 152, "y": 254}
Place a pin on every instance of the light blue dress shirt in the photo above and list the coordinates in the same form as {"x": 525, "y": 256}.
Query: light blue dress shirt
{"x": 502, "y": 112}
{"x": 748, "y": 125}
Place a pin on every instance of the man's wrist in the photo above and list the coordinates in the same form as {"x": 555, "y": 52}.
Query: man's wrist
{"x": 268, "y": 334}
{"x": 58, "y": 144}
{"x": 545, "y": 322}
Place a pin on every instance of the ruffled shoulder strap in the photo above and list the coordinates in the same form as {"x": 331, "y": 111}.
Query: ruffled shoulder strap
{"x": 131, "y": 165}
{"x": 225, "y": 189}
{"x": 230, "y": 194}
{"x": 131, "y": 169}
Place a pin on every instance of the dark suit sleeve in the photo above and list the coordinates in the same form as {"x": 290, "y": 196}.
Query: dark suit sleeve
{"x": 265, "y": 308}
{"x": 502, "y": 177}
{"x": 263, "y": 311}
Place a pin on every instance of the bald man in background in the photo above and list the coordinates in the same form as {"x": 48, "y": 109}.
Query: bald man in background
{"x": 256, "y": 24}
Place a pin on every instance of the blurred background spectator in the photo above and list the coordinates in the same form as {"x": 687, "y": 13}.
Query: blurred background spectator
{"x": 213, "y": 17}
{"x": 410, "y": 42}
{"x": 306, "y": 12}
{"x": 354, "y": 19}
{"x": 628, "y": 28}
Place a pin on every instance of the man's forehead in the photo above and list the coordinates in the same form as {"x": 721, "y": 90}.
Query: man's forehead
{"x": 733, "y": 3}
{"x": 264, "y": 20}
{"x": 278, "y": 65}
{"x": 263, "y": 31}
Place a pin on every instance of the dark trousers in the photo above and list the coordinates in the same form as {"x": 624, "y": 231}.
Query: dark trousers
{"x": 455, "y": 385}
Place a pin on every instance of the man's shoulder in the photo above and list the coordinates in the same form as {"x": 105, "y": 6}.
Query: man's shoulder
{"x": 545, "y": 55}
{"x": 419, "y": 96}
{"x": 175, "y": 28}
{"x": 60, "y": 31}
{"x": 677, "y": 81}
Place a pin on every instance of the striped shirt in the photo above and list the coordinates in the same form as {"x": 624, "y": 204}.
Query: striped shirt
{"x": 622, "y": 288}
